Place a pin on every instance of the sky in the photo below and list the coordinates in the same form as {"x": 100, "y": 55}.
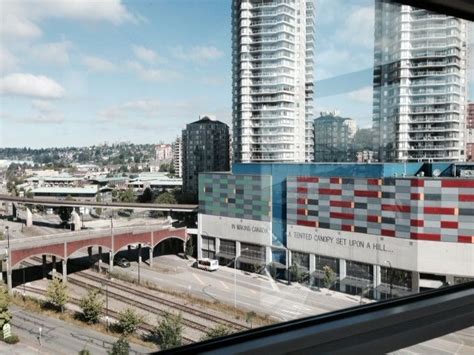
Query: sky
{"x": 77, "y": 73}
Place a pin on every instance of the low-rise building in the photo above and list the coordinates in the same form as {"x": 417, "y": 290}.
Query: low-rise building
{"x": 85, "y": 193}
{"x": 367, "y": 222}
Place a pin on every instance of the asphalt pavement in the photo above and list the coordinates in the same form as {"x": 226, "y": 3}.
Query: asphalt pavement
{"x": 252, "y": 291}
{"x": 57, "y": 337}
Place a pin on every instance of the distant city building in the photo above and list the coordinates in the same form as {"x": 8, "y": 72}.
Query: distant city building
{"x": 470, "y": 132}
{"x": 366, "y": 156}
{"x": 178, "y": 157}
{"x": 272, "y": 80}
{"x": 154, "y": 181}
{"x": 163, "y": 153}
{"x": 419, "y": 84}
{"x": 205, "y": 145}
{"x": 334, "y": 138}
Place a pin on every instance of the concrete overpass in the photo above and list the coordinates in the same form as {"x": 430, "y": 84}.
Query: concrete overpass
{"x": 112, "y": 205}
{"x": 63, "y": 246}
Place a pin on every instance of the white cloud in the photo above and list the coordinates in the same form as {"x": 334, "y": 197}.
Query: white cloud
{"x": 42, "y": 112}
{"x": 50, "y": 117}
{"x": 46, "y": 113}
{"x": 152, "y": 74}
{"x": 198, "y": 54}
{"x": 56, "y": 53}
{"x": 98, "y": 64}
{"x": 24, "y": 84}
{"x": 358, "y": 28}
{"x": 17, "y": 27}
{"x": 146, "y": 54}
{"x": 363, "y": 95}
{"x": 334, "y": 61}
{"x": 147, "y": 108}
{"x": 42, "y": 105}
{"x": 20, "y": 19}
{"x": 8, "y": 60}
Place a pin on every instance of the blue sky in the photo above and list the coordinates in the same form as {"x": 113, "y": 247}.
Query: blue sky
{"x": 88, "y": 72}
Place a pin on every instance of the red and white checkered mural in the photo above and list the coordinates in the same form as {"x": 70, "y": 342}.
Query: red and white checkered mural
{"x": 435, "y": 209}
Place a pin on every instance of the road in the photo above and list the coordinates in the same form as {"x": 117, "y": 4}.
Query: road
{"x": 254, "y": 292}
{"x": 58, "y": 337}
{"x": 114, "y": 205}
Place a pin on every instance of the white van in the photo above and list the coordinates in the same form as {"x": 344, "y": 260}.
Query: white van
{"x": 208, "y": 264}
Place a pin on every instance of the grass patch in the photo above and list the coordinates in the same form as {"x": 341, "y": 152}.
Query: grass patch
{"x": 258, "y": 320}
{"x": 38, "y": 306}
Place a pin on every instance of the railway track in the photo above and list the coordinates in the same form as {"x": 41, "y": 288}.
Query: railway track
{"x": 144, "y": 327}
{"x": 146, "y": 307}
{"x": 153, "y": 298}
{"x": 172, "y": 304}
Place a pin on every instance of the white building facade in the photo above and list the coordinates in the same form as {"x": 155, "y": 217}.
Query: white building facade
{"x": 178, "y": 157}
{"x": 272, "y": 74}
{"x": 420, "y": 83}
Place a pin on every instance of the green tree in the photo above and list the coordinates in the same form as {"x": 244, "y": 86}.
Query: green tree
{"x": 29, "y": 194}
{"x": 166, "y": 198}
{"x": 146, "y": 196}
{"x": 249, "y": 316}
{"x": 65, "y": 214}
{"x": 5, "y": 315}
{"x": 363, "y": 139}
{"x": 217, "y": 332}
{"x": 120, "y": 347}
{"x": 169, "y": 331}
{"x": 128, "y": 321}
{"x": 329, "y": 277}
{"x": 84, "y": 352}
{"x": 190, "y": 246}
{"x": 127, "y": 196}
{"x": 92, "y": 305}
{"x": 171, "y": 169}
{"x": 57, "y": 293}
{"x": 295, "y": 273}
{"x": 165, "y": 167}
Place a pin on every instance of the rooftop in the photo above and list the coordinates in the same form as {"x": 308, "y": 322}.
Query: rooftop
{"x": 92, "y": 189}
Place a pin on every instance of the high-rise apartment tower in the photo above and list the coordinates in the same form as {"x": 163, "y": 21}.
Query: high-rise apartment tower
{"x": 205, "y": 145}
{"x": 419, "y": 84}
{"x": 272, "y": 80}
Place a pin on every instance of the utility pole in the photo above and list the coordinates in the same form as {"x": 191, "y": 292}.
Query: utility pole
{"x": 24, "y": 281}
{"x": 390, "y": 276}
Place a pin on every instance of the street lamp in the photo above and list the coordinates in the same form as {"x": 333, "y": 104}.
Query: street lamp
{"x": 235, "y": 277}
{"x": 390, "y": 277}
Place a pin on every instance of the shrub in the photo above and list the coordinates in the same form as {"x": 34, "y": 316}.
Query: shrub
{"x": 128, "y": 321}
{"x": 91, "y": 306}
{"x": 120, "y": 347}
{"x": 169, "y": 331}
{"x": 57, "y": 293}
{"x": 13, "y": 339}
{"x": 216, "y": 332}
